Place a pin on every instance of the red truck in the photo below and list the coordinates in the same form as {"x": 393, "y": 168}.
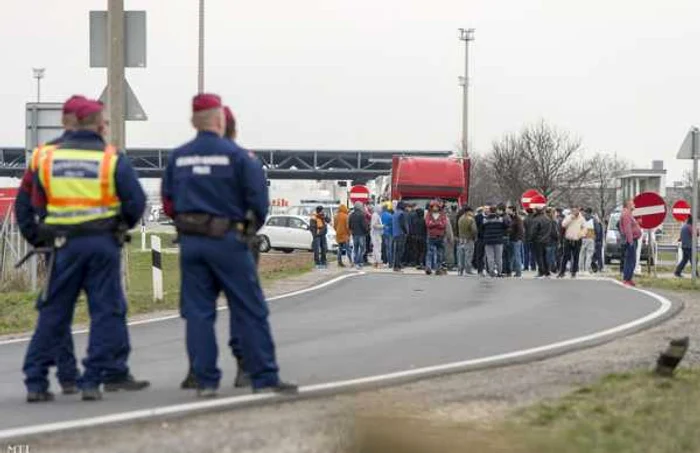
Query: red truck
{"x": 425, "y": 178}
{"x": 7, "y": 200}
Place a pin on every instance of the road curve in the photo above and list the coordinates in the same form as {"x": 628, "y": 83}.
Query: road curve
{"x": 368, "y": 325}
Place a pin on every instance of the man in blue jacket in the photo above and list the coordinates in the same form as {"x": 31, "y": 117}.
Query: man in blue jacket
{"x": 388, "y": 235}
{"x": 209, "y": 186}
{"x": 400, "y": 231}
{"x": 686, "y": 241}
{"x": 86, "y": 193}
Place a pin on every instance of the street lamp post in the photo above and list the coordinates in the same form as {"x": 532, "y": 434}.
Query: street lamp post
{"x": 466, "y": 35}
{"x": 38, "y": 75}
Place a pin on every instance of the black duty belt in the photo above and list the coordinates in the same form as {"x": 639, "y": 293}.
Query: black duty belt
{"x": 198, "y": 224}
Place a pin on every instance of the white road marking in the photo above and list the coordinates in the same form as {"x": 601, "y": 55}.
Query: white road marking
{"x": 223, "y": 307}
{"x": 317, "y": 389}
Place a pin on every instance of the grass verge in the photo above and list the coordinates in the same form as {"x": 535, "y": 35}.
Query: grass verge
{"x": 622, "y": 413}
{"x": 668, "y": 283}
{"x": 17, "y": 313}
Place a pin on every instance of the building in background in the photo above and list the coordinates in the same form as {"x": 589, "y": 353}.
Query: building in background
{"x": 635, "y": 181}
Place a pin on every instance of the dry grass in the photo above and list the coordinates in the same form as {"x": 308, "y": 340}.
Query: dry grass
{"x": 623, "y": 413}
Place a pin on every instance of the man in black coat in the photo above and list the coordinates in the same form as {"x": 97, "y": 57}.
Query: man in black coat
{"x": 540, "y": 236}
{"x": 359, "y": 229}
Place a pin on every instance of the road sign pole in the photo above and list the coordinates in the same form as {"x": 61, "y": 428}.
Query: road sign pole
{"x": 695, "y": 211}
{"x": 115, "y": 88}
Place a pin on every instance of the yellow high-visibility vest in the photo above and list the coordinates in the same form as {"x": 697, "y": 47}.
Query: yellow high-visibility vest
{"x": 79, "y": 184}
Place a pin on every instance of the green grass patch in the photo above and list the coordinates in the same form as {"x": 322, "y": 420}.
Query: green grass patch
{"x": 669, "y": 283}
{"x": 621, "y": 413}
{"x": 17, "y": 312}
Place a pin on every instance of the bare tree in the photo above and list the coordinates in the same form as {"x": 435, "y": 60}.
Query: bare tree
{"x": 553, "y": 159}
{"x": 604, "y": 170}
{"x": 482, "y": 183}
{"x": 509, "y": 168}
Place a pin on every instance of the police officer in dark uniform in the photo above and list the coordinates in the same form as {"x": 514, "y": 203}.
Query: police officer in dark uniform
{"x": 67, "y": 372}
{"x": 242, "y": 378}
{"x": 86, "y": 194}
{"x": 210, "y": 183}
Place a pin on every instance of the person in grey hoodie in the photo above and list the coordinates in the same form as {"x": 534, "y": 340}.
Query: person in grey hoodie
{"x": 359, "y": 229}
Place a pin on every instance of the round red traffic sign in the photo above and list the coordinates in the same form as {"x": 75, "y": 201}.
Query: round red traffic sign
{"x": 649, "y": 209}
{"x": 681, "y": 210}
{"x": 532, "y": 199}
{"x": 359, "y": 193}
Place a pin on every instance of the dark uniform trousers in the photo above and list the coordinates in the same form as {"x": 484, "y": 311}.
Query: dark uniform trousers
{"x": 210, "y": 266}
{"x": 90, "y": 263}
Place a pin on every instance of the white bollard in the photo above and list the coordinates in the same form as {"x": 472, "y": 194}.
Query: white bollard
{"x": 143, "y": 236}
{"x": 157, "y": 268}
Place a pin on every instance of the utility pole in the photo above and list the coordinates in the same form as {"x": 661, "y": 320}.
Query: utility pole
{"x": 200, "y": 65}
{"x": 38, "y": 75}
{"x": 115, "y": 91}
{"x": 115, "y": 72}
{"x": 695, "y": 212}
{"x": 466, "y": 35}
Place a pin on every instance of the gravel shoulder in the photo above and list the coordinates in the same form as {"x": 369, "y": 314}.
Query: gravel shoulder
{"x": 326, "y": 424}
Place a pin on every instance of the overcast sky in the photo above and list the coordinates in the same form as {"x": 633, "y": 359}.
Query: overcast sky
{"x": 382, "y": 74}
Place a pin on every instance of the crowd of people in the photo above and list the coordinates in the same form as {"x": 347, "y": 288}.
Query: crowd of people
{"x": 489, "y": 241}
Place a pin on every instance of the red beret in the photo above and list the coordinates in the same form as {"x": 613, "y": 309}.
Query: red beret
{"x": 72, "y": 104}
{"x": 205, "y": 101}
{"x": 228, "y": 113}
{"x": 88, "y": 107}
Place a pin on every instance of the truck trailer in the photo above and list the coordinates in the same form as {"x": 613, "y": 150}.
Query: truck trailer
{"x": 421, "y": 179}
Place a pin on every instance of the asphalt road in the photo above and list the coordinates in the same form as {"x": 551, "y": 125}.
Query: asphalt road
{"x": 362, "y": 326}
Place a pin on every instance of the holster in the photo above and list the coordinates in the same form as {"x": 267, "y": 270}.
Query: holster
{"x": 199, "y": 224}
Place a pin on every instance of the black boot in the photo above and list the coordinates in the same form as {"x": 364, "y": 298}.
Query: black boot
{"x": 190, "y": 382}
{"x": 92, "y": 394}
{"x": 69, "y": 388}
{"x": 282, "y": 387}
{"x": 39, "y": 397}
{"x": 128, "y": 383}
{"x": 242, "y": 378}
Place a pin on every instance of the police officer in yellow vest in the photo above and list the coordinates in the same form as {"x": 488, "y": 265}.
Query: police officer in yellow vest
{"x": 67, "y": 372}
{"x": 87, "y": 192}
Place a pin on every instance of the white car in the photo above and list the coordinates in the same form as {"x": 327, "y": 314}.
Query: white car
{"x": 290, "y": 232}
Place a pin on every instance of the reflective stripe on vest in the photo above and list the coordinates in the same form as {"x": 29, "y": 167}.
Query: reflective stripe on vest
{"x": 37, "y": 155}
{"x": 79, "y": 184}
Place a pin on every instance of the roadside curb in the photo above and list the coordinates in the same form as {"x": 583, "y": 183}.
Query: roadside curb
{"x": 666, "y": 310}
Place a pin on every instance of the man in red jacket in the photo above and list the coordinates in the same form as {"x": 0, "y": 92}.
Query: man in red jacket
{"x": 630, "y": 233}
{"x": 436, "y": 223}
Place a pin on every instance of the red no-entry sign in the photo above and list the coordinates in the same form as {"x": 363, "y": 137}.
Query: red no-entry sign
{"x": 649, "y": 209}
{"x": 359, "y": 193}
{"x": 681, "y": 210}
{"x": 532, "y": 199}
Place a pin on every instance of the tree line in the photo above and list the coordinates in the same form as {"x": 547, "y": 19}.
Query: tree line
{"x": 550, "y": 160}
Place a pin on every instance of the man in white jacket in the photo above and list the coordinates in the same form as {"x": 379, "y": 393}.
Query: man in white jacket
{"x": 376, "y": 229}
{"x": 575, "y": 229}
{"x": 587, "y": 242}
